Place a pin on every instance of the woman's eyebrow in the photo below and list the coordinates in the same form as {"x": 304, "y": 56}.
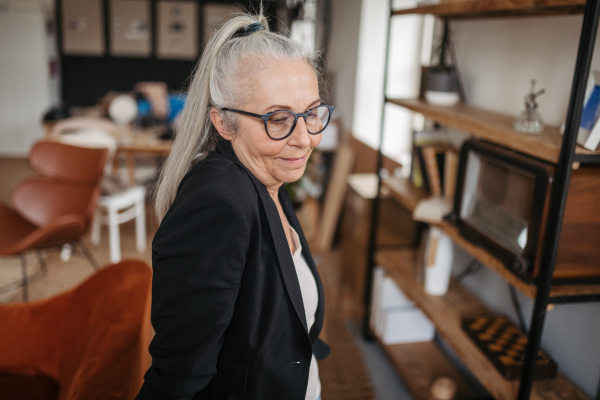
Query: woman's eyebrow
{"x": 282, "y": 107}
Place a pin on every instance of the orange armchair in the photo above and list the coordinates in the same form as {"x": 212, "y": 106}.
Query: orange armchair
{"x": 54, "y": 208}
{"x": 88, "y": 343}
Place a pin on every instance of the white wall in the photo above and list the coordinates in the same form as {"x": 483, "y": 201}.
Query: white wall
{"x": 26, "y": 87}
{"x": 402, "y": 78}
{"x": 497, "y": 58}
{"x": 342, "y": 58}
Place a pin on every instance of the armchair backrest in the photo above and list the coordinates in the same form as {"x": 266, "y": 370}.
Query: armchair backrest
{"x": 93, "y": 339}
{"x": 107, "y": 337}
{"x": 69, "y": 184}
{"x": 66, "y": 163}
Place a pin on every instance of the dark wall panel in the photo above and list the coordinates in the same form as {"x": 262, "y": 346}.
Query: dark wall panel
{"x": 86, "y": 79}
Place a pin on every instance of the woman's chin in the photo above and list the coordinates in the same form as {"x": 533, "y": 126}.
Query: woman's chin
{"x": 293, "y": 176}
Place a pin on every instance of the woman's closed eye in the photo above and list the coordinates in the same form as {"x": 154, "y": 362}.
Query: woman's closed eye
{"x": 281, "y": 118}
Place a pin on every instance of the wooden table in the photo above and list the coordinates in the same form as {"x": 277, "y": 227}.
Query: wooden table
{"x": 133, "y": 143}
{"x": 130, "y": 144}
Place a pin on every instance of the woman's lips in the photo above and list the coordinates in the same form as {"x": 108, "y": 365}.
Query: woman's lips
{"x": 299, "y": 160}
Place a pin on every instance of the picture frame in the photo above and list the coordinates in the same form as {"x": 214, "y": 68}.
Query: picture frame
{"x": 177, "y": 30}
{"x": 83, "y": 28}
{"x": 213, "y": 14}
{"x": 130, "y": 28}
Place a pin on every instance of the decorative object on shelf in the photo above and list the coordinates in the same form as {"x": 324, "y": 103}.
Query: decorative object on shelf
{"x": 443, "y": 388}
{"x": 441, "y": 86}
{"x": 504, "y": 345}
{"x": 497, "y": 206}
{"x": 438, "y": 262}
{"x": 432, "y": 210}
{"x": 529, "y": 121}
{"x": 589, "y": 129}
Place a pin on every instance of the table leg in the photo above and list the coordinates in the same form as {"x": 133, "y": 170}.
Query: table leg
{"x": 131, "y": 167}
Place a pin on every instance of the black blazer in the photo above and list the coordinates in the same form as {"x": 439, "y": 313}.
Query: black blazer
{"x": 226, "y": 302}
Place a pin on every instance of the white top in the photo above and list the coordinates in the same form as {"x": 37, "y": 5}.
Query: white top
{"x": 310, "y": 297}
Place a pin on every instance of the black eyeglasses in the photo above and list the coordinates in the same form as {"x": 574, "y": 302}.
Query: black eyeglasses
{"x": 281, "y": 123}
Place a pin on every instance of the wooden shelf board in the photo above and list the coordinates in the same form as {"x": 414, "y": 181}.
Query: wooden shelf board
{"x": 529, "y": 289}
{"x": 494, "y": 127}
{"x": 447, "y": 312}
{"x": 497, "y": 8}
{"x": 419, "y": 364}
{"x": 489, "y": 260}
{"x": 403, "y": 191}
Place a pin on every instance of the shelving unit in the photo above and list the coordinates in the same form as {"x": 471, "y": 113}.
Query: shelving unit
{"x": 447, "y": 311}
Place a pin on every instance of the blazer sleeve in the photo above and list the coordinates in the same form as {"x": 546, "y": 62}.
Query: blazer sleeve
{"x": 199, "y": 254}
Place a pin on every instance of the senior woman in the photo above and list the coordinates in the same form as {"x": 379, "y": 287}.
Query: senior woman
{"x": 237, "y": 303}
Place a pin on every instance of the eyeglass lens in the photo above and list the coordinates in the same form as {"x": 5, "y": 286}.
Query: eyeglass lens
{"x": 280, "y": 123}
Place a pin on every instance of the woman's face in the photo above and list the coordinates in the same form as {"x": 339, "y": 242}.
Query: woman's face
{"x": 287, "y": 85}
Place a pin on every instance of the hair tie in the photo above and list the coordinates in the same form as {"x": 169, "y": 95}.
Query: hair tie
{"x": 254, "y": 27}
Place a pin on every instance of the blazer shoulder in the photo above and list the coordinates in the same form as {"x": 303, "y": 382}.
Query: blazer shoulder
{"x": 216, "y": 173}
{"x": 220, "y": 179}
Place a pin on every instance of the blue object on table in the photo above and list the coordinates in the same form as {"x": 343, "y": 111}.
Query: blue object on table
{"x": 176, "y": 103}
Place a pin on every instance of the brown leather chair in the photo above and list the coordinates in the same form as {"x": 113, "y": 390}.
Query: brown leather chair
{"x": 88, "y": 343}
{"x": 52, "y": 209}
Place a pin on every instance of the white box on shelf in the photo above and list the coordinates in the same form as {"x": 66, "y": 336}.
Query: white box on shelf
{"x": 394, "y": 317}
{"x": 406, "y": 324}
{"x": 390, "y": 297}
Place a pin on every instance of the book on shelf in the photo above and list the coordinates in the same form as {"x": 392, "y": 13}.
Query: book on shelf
{"x": 588, "y": 135}
{"x": 429, "y": 147}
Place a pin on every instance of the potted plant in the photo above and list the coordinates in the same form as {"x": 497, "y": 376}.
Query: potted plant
{"x": 440, "y": 83}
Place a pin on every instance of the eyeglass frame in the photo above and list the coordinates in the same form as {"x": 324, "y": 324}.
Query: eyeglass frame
{"x": 265, "y": 118}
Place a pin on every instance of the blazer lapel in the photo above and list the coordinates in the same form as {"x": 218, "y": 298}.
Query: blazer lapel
{"x": 291, "y": 215}
{"x": 286, "y": 263}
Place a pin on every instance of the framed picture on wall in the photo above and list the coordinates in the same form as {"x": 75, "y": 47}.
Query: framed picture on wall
{"x": 215, "y": 14}
{"x": 177, "y": 27}
{"x": 130, "y": 28}
{"x": 82, "y": 28}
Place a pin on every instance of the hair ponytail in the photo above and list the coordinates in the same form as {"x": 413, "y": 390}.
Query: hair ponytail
{"x": 213, "y": 85}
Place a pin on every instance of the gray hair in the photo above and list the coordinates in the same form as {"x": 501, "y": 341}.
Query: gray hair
{"x": 226, "y": 63}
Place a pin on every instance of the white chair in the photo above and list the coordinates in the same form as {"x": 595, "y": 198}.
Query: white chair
{"x": 118, "y": 203}
{"x": 116, "y": 209}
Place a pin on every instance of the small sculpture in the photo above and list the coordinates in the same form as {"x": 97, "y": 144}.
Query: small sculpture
{"x": 529, "y": 121}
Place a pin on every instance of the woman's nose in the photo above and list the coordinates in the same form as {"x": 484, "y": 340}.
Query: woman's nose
{"x": 300, "y": 135}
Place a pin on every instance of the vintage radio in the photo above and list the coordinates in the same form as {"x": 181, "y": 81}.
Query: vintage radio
{"x": 502, "y": 201}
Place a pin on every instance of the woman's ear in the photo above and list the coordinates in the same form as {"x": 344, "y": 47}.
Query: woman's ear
{"x": 219, "y": 124}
